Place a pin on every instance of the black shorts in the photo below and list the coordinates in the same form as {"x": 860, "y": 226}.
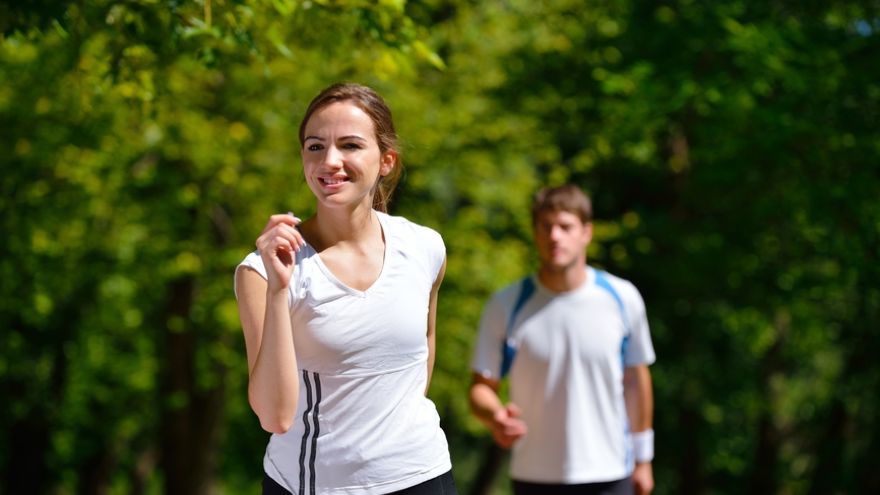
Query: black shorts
{"x": 619, "y": 487}
{"x": 441, "y": 485}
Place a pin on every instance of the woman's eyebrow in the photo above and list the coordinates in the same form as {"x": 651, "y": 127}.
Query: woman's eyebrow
{"x": 350, "y": 136}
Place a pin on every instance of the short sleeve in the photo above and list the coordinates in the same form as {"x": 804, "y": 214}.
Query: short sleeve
{"x": 422, "y": 243}
{"x": 487, "y": 355}
{"x": 640, "y": 349}
{"x": 436, "y": 250}
{"x": 253, "y": 261}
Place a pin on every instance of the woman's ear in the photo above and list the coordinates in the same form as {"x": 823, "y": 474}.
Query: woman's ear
{"x": 387, "y": 162}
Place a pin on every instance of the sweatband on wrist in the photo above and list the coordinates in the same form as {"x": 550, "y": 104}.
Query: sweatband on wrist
{"x": 643, "y": 445}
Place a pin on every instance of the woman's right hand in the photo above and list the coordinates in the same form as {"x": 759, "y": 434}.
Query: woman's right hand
{"x": 278, "y": 244}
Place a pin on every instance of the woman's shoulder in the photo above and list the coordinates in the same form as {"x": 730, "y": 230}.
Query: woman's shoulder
{"x": 406, "y": 227}
{"x": 417, "y": 241}
{"x": 254, "y": 262}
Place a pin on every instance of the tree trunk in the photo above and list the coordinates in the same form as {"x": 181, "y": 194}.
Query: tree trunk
{"x": 190, "y": 416}
{"x": 764, "y": 477}
{"x": 690, "y": 467}
{"x": 488, "y": 471}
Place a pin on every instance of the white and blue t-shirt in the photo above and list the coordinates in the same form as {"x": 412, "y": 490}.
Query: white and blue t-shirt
{"x": 567, "y": 375}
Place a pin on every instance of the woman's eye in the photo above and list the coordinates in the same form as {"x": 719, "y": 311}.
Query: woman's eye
{"x": 314, "y": 147}
{"x": 351, "y": 146}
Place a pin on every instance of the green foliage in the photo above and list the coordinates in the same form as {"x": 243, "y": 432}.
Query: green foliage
{"x": 146, "y": 147}
{"x": 731, "y": 148}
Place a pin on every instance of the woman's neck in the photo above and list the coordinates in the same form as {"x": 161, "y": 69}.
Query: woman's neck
{"x": 331, "y": 226}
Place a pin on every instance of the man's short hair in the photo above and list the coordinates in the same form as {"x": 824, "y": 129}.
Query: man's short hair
{"x": 567, "y": 197}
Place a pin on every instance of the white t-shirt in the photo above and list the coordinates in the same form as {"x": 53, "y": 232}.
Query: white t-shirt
{"x": 363, "y": 424}
{"x": 567, "y": 376}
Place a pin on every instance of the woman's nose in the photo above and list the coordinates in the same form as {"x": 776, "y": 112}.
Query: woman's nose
{"x": 333, "y": 156}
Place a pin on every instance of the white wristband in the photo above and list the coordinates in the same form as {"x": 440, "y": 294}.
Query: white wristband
{"x": 643, "y": 445}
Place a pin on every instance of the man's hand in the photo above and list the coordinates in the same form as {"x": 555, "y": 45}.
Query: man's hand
{"x": 507, "y": 428}
{"x": 643, "y": 478}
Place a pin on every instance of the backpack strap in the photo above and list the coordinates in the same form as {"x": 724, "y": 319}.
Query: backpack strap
{"x": 508, "y": 347}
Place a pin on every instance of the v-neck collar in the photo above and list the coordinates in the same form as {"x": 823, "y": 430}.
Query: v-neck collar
{"x": 356, "y": 292}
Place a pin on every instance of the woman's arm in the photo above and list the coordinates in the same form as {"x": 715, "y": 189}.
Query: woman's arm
{"x": 273, "y": 381}
{"x": 432, "y": 323}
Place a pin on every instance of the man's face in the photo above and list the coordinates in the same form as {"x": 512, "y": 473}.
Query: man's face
{"x": 561, "y": 239}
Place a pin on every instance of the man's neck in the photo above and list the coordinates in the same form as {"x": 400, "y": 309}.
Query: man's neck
{"x": 563, "y": 279}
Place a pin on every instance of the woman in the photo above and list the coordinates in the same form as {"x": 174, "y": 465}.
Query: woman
{"x": 338, "y": 314}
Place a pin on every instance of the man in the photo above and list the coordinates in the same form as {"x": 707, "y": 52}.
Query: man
{"x": 577, "y": 346}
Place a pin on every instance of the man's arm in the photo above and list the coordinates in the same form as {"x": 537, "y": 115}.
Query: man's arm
{"x": 639, "y": 398}
{"x": 503, "y": 421}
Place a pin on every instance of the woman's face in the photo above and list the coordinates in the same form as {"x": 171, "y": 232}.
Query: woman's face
{"x": 341, "y": 157}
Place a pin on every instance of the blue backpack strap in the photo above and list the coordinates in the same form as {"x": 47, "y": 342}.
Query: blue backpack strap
{"x": 508, "y": 347}
{"x": 603, "y": 282}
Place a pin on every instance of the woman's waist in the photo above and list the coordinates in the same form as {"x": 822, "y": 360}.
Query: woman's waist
{"x": 334, "y": 368}
{"x": 353, "y": 428}
{"x": 348, "y": 401}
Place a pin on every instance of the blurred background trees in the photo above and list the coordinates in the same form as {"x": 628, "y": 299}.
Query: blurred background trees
{"x": 731, "y": 148}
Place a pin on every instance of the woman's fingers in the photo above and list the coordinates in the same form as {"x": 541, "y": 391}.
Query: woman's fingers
{"x": 281, "y": 230}
{"x": 281, "y": 218}
{"x": 278, "y": 243}
{"x": 281, "y": 236}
